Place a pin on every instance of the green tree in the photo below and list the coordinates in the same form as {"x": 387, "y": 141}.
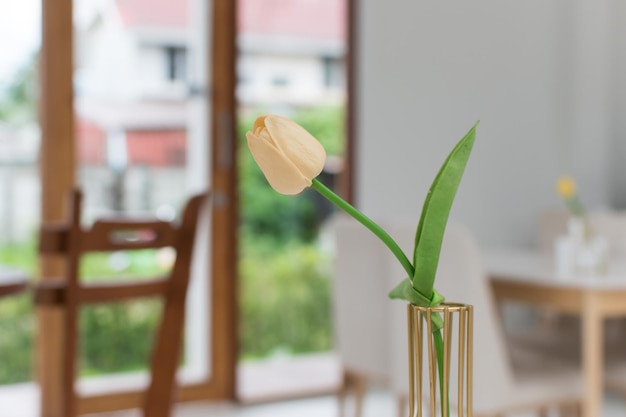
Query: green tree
{"x": 18, "y": 101}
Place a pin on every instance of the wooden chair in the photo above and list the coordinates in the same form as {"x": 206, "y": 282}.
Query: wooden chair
{"x": 13, "y": 283}
{"x": 71, "y": 241}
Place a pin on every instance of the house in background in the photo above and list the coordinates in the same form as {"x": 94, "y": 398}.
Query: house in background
{"x": 131, "y": 103}
{"x": 292, "y": 52}
{"x": 133, "y": 85}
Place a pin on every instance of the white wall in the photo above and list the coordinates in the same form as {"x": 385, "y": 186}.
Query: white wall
{"x": 618, "y": 99}
{"x": 538, "y": 74}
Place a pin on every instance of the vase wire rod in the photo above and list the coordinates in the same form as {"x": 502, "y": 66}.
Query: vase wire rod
{"x": 420, "y": 330}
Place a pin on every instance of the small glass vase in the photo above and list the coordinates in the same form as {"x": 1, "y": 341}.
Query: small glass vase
{"x": 580, "y": 252}
{"x": 427, "y": 374}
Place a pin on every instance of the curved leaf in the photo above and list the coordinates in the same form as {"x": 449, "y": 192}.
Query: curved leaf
{"x": 435, "y": 212}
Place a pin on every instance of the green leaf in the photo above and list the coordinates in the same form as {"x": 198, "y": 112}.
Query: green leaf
{"x": 405, "y": 291}
{"x": 435, "y": 212}
{"x": 398, "y": 293}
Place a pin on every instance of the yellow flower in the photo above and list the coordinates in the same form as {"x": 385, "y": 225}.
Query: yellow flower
{"x": 289, "y": 156}
{"x": 566, "y": 187}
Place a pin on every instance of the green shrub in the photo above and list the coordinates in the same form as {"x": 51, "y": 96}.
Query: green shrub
{"x": 114, "y": 337}
{"x": 117, "y": 337}
{"x": 17, "y": 329}
{"x": 17, "y": 321}
{"x": 285, "y": 298}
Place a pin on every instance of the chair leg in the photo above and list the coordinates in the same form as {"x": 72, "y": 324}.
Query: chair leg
{"x": 570, "y": 410}
{"x": 360, "y": 387}
{"x": 403, "y": 403}
{"x": 358, "y": 384}
{"x": 342, "y": 392}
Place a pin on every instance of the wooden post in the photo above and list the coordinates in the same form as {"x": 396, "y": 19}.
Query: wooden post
{"x": 56, "y": 113}
{"x": 225, "y": 219}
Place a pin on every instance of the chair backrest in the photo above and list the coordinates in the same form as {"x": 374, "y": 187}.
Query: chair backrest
{"x": 552, "y": 224}
{"x": 612, "y": 226}
{"x": 460, "y": 278}
{"x": 359, "y": 298}
{"x": 72, "y": 241}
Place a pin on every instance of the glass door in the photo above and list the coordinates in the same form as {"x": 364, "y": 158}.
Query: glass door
{"x": 292, "y": 61}
{"x": 126, "y": 116}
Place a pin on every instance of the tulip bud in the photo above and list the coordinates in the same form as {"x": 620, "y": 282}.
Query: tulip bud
{"x": 289, "y": 156}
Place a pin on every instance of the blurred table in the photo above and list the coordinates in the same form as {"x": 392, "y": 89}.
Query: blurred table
{"x": 525, "y": 276}
{"x": 12, "y": 281}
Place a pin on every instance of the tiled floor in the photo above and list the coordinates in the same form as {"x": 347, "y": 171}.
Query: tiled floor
{"x": 316, "y": 375}
{"x": 291, "y": 377}
{"x": 378, "y": 404}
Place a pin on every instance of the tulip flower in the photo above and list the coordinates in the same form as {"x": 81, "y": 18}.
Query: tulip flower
{"x": 289, "y": 156}
{"x": 566, "y": 188}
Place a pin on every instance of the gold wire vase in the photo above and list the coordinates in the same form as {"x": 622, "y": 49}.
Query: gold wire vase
{"x": 457, "y": 360}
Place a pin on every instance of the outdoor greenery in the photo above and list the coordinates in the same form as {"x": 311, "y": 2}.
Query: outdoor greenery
{"x": 18, "y": 100}
{"x": 115, "y": 337}
{"x": 285, "y": 299}
{"x": 17, "y": 325}
{"x": 284, "y": 279}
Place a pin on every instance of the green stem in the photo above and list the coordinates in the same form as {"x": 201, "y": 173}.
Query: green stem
{"x": 576, "y": 206}
{"x": 439, "y": 348}
{"x": 367, "y": 222}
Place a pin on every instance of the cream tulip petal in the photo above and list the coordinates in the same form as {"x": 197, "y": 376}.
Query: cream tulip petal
{"x": 297, "y": 144}
{"x": 282, "y": 174}
{"x": 259, "y": 123}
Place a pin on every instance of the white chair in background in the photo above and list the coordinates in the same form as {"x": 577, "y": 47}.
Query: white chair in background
{"x": 506, "y": 380}
{"x": 360, "y": 308}
{"x": 371, "y": 330}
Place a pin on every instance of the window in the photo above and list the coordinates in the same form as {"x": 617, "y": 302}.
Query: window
{"x": 285, "y": 267}
{"x": 176, "y": 63}
{"x": 280, "y": 81}
{"x": 333, "y": 72}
